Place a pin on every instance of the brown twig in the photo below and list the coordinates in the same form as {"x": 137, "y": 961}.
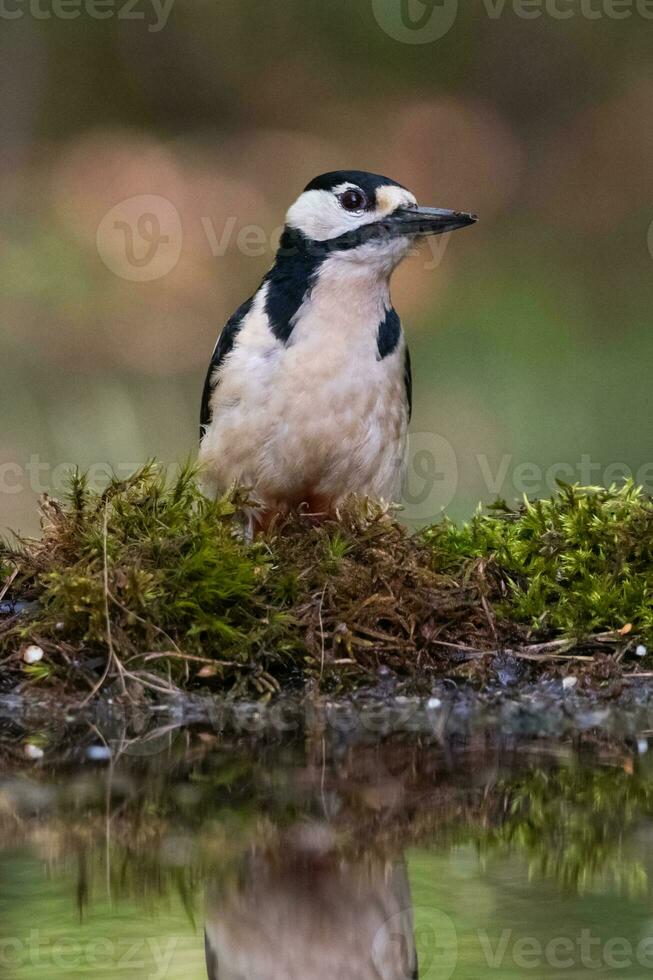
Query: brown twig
{"x": 145, "y": 622}
{"x": 8, "y": 583}
{"x": 319, "y": 617}
{"x": 111, "y": 658}
{"x": 525, "y": 654}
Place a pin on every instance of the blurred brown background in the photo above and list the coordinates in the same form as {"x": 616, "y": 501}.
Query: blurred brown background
{"x": 530, "y": 333}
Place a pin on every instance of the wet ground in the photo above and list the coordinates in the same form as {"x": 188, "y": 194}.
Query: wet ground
{"x": 462, "y": 836}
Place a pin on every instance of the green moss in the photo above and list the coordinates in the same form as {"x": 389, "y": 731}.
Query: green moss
{"x": 146, "y": 569}
{"x": 577, "y": 564}
{"x": 151, "y": 583}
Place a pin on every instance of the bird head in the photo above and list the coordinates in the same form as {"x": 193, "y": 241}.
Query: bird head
{"x": 364, "y": 217}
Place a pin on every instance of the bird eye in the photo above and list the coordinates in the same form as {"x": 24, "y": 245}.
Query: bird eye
{"x": 353, "y": 200}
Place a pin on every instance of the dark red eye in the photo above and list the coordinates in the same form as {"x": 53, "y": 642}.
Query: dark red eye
{"x": 353, "y": 200}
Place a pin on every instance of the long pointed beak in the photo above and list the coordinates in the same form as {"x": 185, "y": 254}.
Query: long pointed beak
{"x": 425, "y": 221}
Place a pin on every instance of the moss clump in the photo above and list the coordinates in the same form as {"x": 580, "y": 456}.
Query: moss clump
{"x": 577, "y": 564}
{"x": 365, "y": 595}
{"x": 149, "y": 582}
{"x": 143, "y": 570}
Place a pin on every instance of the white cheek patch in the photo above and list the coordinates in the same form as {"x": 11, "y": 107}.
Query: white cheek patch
{"x": 320, "y": 216}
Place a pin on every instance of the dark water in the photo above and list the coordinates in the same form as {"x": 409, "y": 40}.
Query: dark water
{"x": 510, "y": 839}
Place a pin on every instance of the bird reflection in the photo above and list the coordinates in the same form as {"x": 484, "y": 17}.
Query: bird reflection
{"x": 304, "y": 912}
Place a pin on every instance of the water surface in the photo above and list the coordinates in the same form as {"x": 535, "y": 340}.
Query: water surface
{"x": 376, "y": 840}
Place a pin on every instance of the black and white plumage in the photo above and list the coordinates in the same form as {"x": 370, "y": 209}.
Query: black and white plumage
{"x": 308, "y": 395}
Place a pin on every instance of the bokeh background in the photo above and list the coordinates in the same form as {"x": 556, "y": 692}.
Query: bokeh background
{"x": 146, "y": 162}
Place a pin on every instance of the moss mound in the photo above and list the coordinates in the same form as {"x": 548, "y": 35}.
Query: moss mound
{"x": 149, "y": 585}
{"x": 577, "y": 564}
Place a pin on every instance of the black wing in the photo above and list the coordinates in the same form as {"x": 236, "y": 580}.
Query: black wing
{"x": 408, "y": 382}
{"x": 225, "y": 344}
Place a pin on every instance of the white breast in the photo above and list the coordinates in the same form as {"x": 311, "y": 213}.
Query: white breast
{"x": 322, "y": 415}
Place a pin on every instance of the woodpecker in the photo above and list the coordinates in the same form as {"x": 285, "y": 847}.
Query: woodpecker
{"x": 309, "y": 390}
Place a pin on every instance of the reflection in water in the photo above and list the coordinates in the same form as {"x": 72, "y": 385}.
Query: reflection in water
{"x": 303, "y": 912}
{"x": 323, "y": 856}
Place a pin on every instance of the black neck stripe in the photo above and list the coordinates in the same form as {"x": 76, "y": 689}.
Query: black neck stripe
{"x": 289, "y": 280}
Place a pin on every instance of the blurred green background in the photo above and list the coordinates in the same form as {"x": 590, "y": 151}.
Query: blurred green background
{"x": 147, "y": 160}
